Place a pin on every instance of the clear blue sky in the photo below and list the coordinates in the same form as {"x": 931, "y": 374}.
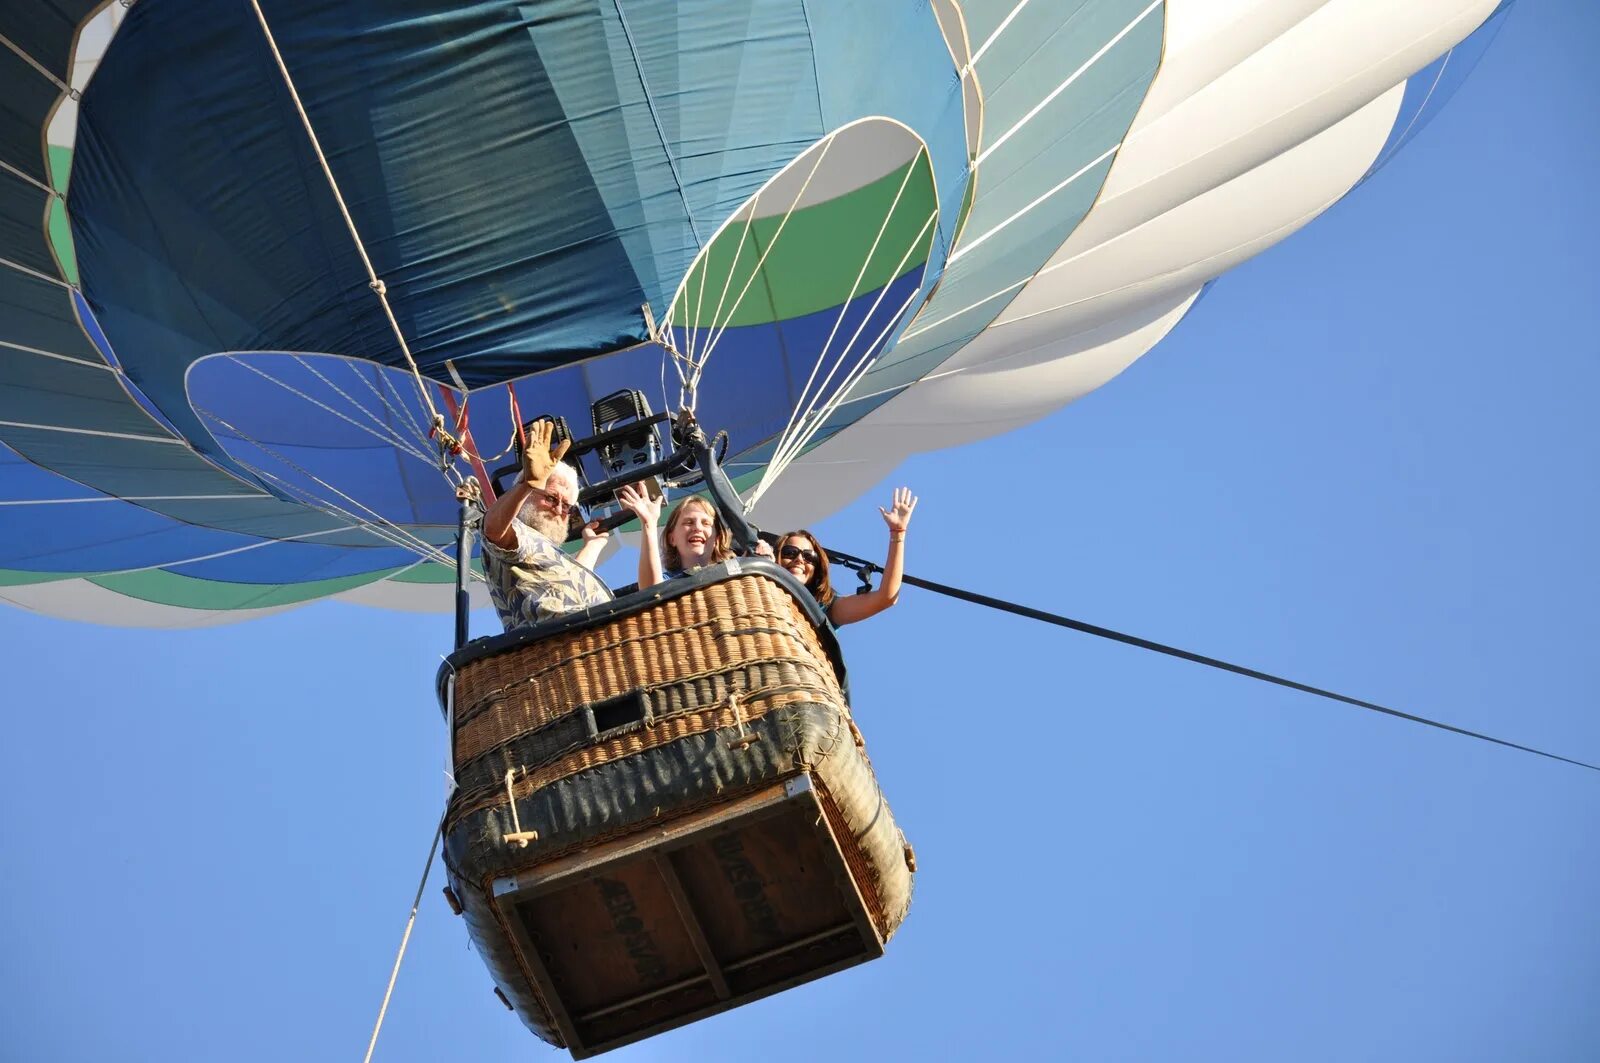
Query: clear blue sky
{"x": 1367, "y": 460}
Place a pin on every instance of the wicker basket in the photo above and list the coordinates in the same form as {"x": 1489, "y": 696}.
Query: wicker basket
{"x": 656, "y": 717}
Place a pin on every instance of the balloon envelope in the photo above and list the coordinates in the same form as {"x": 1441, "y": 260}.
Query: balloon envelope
{"x": 864, "y": 230}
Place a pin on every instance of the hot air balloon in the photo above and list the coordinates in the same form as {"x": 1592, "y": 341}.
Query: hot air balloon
{"x": 278, "y": 280}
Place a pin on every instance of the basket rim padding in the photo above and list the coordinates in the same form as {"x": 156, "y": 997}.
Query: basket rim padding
{"x": 607, "y": 612}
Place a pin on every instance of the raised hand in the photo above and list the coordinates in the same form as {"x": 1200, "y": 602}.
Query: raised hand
{"x": 538, "y": 459}
{"x": 641, "y": 504}
{"x": 898, "y": 516}
{"x": 593, "y": 534}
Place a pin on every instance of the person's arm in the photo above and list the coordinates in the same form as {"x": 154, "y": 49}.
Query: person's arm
{"x": 639, "y": 502}
{"x": 849, "y": 608}
{"x": 538, "y": 460}
{"x": 594, "y": 541}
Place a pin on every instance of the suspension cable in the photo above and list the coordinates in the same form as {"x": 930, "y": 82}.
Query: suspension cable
{"x": 405, "y": 940}
{"x": 867, "y": 568}
{"x": 373, "y": 281}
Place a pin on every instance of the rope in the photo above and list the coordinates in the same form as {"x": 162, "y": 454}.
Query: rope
{"x": 1059, "y": 89}
{"x": 861, "y": 565}
{"x": 405, "y": 939}
{"x": 993, "y": 37}
{"x": 790, "y": 447}
{"x": 371, "y": 414}
{"x": 727, "y": 280}
{"x": 844, "y": 307}
{"x": 40, "y": 67}
{"x": 776, "y": 468}
{"x": 393, "y": 439}
{"x": 373, "y": 281}
{"x": 400, "y": 405}
{"x": 20, "y": 268}
{"x": 383, "y": 528}
{"x": 40, "y": 185}
{"x": 715, "y": 334}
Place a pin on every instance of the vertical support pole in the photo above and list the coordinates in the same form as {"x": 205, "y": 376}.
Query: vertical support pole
{"x": 467, "y": 517}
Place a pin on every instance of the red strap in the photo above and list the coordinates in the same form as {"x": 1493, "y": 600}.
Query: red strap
{"x": 516, "y": 417}
{"x": 464, "y": 434}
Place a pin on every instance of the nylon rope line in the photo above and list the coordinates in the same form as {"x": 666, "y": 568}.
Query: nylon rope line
{"x": 129, "y": 498}
{"x": 716, "y": 332}
{"x": 40, "y": 67}
{"x": 1059, "y": 89}
{"x": 382, "y": 527}
{"x": 661, "y": 335}
{"x": 727, "y": 281}
{"x": 397, "y": 442}
{"x": 858, "y": 564}
{"x": 992, "y": 38}
{"x": 86, "y": 363}
{"x": 400, "y": 539}
{"x": 855, "y": 372}
{"x": 854, "y": 375}
{"x": 991, "y": 297}
{"x": 716, "y": 335}
{"x": 661, "y": 132}
{"x": 30, "y": 179}
{"x": 398, "y": 418}
{"x": 373, "y": 281}
{"x": 1001, "y": 293}
{"x": 1417, "y": 116}
{"x": 1287, "y": 227}
{"x": 230, "y": 552}
{"x": 804, "y": 433}
{"x": 405, "y": 939}
{"x": 774, "y": 469}
{"x": 844, "y": 307}
{"x": 380, "y": 424}
{"x": 699, "y": 303}
{"x": 20, "y": 268}
{"x": 967, "y": 248}
{"x": 400, "y": 403}
{"x": 170, "y": 441}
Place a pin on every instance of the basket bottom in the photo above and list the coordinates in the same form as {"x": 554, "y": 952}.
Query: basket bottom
{"x": 682, "y": 921}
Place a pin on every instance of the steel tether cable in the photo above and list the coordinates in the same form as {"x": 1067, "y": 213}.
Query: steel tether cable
{"x": 863, "y": 566}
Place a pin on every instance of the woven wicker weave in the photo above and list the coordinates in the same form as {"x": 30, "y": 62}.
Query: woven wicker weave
{"x": 715, "y": 631}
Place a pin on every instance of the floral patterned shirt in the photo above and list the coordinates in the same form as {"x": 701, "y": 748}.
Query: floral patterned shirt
{"x": 537, "y": 581}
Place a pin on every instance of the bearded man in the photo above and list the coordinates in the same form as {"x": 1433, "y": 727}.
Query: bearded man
{"x": 531, "y": 579}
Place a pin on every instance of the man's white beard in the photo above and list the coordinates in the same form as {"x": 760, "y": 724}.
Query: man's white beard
{"x": 543, "y": 521}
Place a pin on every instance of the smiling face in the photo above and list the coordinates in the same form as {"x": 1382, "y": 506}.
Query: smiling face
{"x": 692, "y": 533}
{"x": 798, "y": 555}
{"x": 546, "y": 509}
{"x": 799, "y": 552}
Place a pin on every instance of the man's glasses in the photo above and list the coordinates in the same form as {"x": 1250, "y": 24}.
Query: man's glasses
{"x": 790, "y": 552}
{"x": 558, "y": 505}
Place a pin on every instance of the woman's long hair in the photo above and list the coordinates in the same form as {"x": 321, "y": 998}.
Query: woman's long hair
{"x": 820, "y": 586}
{"x": 721, "y": 538}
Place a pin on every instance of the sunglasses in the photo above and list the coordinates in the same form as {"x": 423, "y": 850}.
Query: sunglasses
{"x": 558, "y": 505}
{"x": 790, "y": 552}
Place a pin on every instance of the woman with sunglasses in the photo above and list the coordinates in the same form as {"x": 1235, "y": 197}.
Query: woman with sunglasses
{"x": 804, "y": 557}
